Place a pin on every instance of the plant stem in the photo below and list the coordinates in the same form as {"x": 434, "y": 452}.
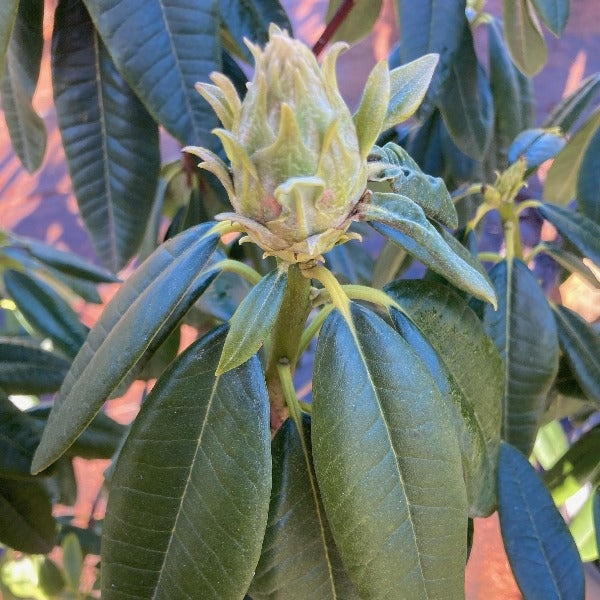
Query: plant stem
{"x": 285, "y": 340}
{"x": 512, "y": 231}
{"x": 313, "y": 327}
{"x": 338, "y": 18}
{"x": 235, "y": 266}
{"x": 332, "y": 286}
{"x": 534, "y": 252}
{"x": 489, "y": 257}
{"x": 362, "y": 292}
{"x": 527, "y": 204}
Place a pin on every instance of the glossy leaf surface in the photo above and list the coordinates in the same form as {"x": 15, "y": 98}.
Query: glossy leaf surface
{"x": 110, "y": 140}
{"x": 190, "y": 494}
{"x": 138, "y": 313}
{"x": 468, "y": 370}
{"x": 387, "y": 462}
{"x": 572, "y": 263}
{"x": 588, "y": 181}
{"x": 26, "y": 128}
{"x": 554, "y": 13}
{"x": 536, "y": 146}
{"x": 541, "y": 551}
{"x": 524, "y": 332}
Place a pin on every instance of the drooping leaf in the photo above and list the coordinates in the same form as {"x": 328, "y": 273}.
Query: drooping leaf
{"x": 583, "y": 233}
{"x": 46, "y": 311}
{"x": 359, "y": 22}
{"x": 536, "y": 146}
{"x": 180, "y": 42}
{"x": 541, "y": 551}
{"x": 467, "y": 106}
{"x": 408, "y": 85}
{"x": 299, "y": 558}
{"x": 524, "y": 332}
{"x": 110, "y": 140}
{"x": 581, "y": 344}
{"x": 467, "y": 369}
{"x": 569, "y": 109}
{"x": 561, "y": 182}
{"x": 142, "y": 314}
{"x": 25, "y": 368}
{"x": 23, "y": 57}
{"x": 403, "y": 222}
{"x": 253, "y": 320}
{"x": 524, "y": 36}
{"x": 572, "y": 263}
{"x": 406, "y": 178}
{"x": 190, "y": 495}
{"x": 431, "y": 26}
{"x": 26, "y": 522}
{"x": 387, "y": 462}
{"x": 8, "y": 15}
{"x": 588, "y": 181}
{"x": 554, "y": 13}
{"x": 506, "y": 83}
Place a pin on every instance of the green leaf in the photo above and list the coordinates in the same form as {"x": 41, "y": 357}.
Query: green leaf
{"x": 581, "y": 344}
{"x": 507, "y": 83}
{"x": 403, "y": 222}
{"x": 359, "y": 22}
{"x": 72, "y": 561}
{"x": 431, "y": 26}
{"x": 524, "y": 332}
{"x": 351, "y": 262}
{"x": 387, "y": 462}
{"x": 466, "y": 104}
{"x": 111, "y": 142}
{"x": 408, "y": 85}
{"x": 253, "y": 320}
{"x": 26, "y": 128}
{"x": 26, "y": 522}
{"x": 561, "y": 182}
{"x": 583, "y": 529}
{"x": 577, "y": 467}
{"x": 550, "y": 444}
{"x": 524, "y": 36}
{"x": 583, "y": 233}
{"x": 50, "y": 577}
{"x": 180, "y": 42}
{"x": 569, "y": 109}
{"x": 596, "y": 510}
{"x": 588, "y": 181}
{"x": 541, "y": 551}
{"x": 61, "y": 486}
{"x": 554, "y": 13}
{"x": 451, "y": 341}
{"x": 8, "y": 15}
{"x": 250, "y": 19}
{"x": 406, "y": 178}
{"x": 141, "y": 315}
{"x": 536, "y": 146}
{"x": 299, "y": 558}
{"x": 46, "y": 311}
{"x": 190, "y": 495}
{"x": 27, "y": 369}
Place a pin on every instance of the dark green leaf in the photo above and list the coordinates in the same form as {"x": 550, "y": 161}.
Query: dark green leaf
{"x": 190, "y": 495}
{"x": 111, "y": 142}
{"x": 359, "y": 22}
{"x": 554, "y": 13}
{"x": 568, "y": 110}
{"x": 299, "y": 558}
{"x": 250, "y": 19}
{"x": 27, "y": 369}
{"x": 220, "y": 300}
{"x": 572, "y": 263}
{"x": 431, "y": 26}
{"x": 177, "y": 45}
{"x": 143, "y": 312}
{"x": 46, "y": 311}
{"x": 524, "y": 36}
{"x": 351, "y": 262}
{"x": 61, "y": 485}
{"x": 424, "y": 145}
{"x": 403, "y": 221}
{"x": 561, "y": 181}
{"x": 387, "y": 462}
{"x": 26, "y": 522}
{"x": 581, "y": 344}
{"x": 253, "y": 320}
{"x": 506, "y": 83}
{"x": 8, "y": 14}
{"x": 466, "y": 105}
{"x": 452, "y": 343}
{"x": 50, "y": 577}
{"x": 583, "y": 233}
{"x": 406, "y": 178}
{"x": 26, "y": 128}
{"x": 524, "y": 332}
{"x": 541, "y": 551}
{"x": 89, "y": 540}
{"x": 536, "y": 146}
{"x": 588, "y": 181}
{"x": 72, "y": 561}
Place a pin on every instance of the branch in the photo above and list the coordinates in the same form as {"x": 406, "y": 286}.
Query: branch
{"x": 340, "y": 16}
